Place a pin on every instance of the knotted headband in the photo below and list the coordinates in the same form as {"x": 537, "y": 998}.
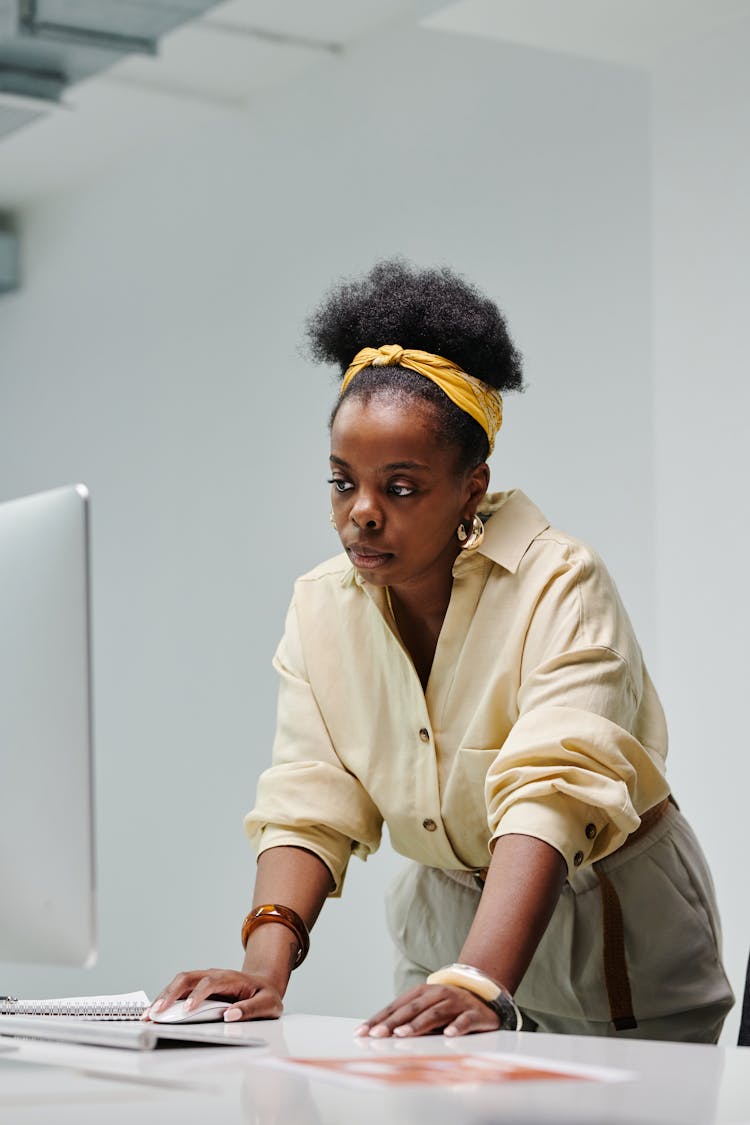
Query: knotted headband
{"x": 482, "y": 402}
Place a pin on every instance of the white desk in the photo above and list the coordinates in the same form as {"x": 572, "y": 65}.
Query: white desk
{"x": 672, "y": 1084}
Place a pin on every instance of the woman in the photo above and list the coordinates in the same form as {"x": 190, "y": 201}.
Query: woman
{"x": 467, "y": 674}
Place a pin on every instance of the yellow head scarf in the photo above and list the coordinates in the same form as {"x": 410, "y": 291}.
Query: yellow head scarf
{"x": 482, "y": 402}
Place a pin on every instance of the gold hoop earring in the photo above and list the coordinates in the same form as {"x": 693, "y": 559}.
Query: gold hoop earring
{"x": 333, "y": 521}
{"x": 470, "y": 541}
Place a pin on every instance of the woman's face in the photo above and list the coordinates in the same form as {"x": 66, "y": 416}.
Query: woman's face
{"x": 396, "y": 493}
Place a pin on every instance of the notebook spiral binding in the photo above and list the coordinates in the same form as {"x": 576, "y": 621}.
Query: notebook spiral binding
{"x": 79, "y": 1009}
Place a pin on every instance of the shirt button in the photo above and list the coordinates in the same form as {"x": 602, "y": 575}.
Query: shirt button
{"x": 429, "y": 824}
{"x": 578, "y": 859}
{"x": 424, "y": 734}
{"x": 590, "y": 831}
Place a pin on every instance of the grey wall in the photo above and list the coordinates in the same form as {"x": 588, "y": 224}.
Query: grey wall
{"x": 154, "y": 353}
{"x": 702, "y": 403}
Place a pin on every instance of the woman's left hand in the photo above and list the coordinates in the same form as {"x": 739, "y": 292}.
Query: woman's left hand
{"x": 429, "y": 1008}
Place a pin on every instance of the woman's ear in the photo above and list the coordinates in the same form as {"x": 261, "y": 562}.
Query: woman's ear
{"x": 479, "y": 481}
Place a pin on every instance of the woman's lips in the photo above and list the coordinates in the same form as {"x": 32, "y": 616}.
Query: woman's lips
{"x": 365, "y": 558}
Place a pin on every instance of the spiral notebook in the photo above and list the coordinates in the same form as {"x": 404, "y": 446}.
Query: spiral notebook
{"x": 127, "y": 1006}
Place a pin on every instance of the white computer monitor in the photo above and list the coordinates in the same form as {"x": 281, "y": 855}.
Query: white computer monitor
{"x": 47, "y": 906}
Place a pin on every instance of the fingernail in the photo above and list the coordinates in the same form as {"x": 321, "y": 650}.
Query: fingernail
{"x": 189, "y": 1004}
{"x": 156, "y": 1006}
{"x": 232, "y": 1014}
{"x": 450, "y": 1031}
{"x": 379, "y": 1031}
{"x": 404, "y": 1029}
{"x": 363, "y": 1029}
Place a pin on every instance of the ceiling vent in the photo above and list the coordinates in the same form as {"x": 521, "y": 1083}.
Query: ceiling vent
{"x": 47, "y": 45}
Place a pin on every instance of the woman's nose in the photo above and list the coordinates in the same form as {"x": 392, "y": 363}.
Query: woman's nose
{"x": 366, "y": 513}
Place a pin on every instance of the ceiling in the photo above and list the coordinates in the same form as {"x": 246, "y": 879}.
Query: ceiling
{"x": 223, "y": 61}
{"x": 216, "y": 64}
{"x": 628, "y": 32}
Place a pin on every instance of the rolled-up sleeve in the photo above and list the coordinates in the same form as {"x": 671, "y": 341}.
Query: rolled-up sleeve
{"x": 307, "y": 798}
{"x": 585, "y": 757}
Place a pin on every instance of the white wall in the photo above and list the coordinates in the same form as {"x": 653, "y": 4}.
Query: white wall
{"x": 702, "y": 405}
{"x": 153, "y": 353}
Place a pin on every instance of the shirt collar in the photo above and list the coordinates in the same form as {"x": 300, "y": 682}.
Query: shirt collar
{"x": 512, "y": 522}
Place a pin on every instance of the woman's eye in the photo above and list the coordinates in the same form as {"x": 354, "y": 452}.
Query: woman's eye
{"x": 340, "y": 485}
{"x": 402, "y": 490}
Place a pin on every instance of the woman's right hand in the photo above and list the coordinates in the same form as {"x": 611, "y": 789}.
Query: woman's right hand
{"x": 286, "y": 874}
{"x": 253, "y": 996}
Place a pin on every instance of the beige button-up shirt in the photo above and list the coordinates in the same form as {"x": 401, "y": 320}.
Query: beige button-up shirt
{"x": 539, "y": 716}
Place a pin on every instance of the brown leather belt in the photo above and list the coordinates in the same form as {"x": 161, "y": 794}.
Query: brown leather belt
{"x": 613, "y": 931}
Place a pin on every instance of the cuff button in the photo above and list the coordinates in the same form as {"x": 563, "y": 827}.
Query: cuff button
{"x": 578, "y": 859}
{"x": 590, "y": 831}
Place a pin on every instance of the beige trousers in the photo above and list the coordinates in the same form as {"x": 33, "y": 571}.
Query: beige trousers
{"x": 672, "y": 940}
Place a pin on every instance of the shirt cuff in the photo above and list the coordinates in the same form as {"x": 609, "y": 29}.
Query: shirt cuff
{"x": 329, "y": 846}
{"x": 580, "y": 833}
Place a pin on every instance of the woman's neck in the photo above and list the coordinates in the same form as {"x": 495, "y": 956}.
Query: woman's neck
{"x": 419, "y": 612}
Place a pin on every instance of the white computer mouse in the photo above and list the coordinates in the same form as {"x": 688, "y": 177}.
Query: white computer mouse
{"x": 206, "y": 1012}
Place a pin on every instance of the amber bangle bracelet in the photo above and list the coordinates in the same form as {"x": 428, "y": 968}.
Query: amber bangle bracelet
{"x": 285, "y": 916}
